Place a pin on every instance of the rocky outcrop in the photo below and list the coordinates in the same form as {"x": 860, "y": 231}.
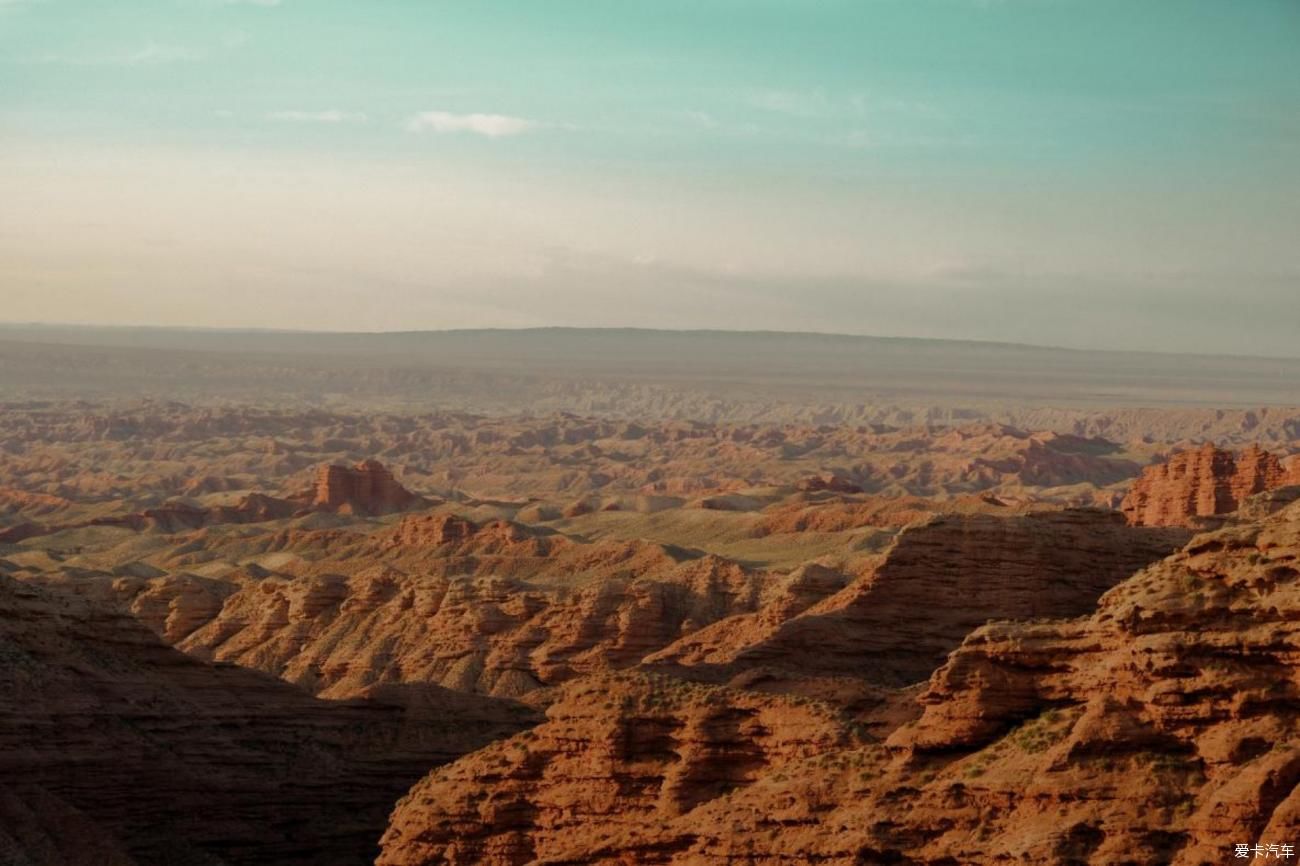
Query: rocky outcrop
{"x": 1169, "y": 716}
{"x": 335, "y": 635}
{"x": 448, "y": 536}
{"x": 828, "y": 482}
{"x": 366, "y": 488}
{"x": 1207, "y": 482}
{"x": 116, "y": 749}
{"x": 433, "y": 530}
{"x": 1164, "y": 728}
{"x": 937, "y": 582}
{"x": 616, "y": 758}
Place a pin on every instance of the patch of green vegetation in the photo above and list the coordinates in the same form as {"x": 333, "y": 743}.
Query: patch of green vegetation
{"x": 1041, "y": 733}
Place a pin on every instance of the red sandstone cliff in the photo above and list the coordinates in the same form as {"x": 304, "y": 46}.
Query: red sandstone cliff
{"x": 1204, "y": 483}
{"x": 618, "y": 759}
{"x": 367, "y": 488}
{"x": 937, "y": 581}
{"x": 1166, "y": 723}
{"x": 1161, "y": 729}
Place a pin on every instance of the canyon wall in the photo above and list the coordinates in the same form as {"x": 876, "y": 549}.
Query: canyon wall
{"x": 1204, "y": 483}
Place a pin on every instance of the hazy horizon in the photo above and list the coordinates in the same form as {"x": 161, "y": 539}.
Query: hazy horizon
{"x": 55, "y": 326}
{"x": 1088, "y": 175}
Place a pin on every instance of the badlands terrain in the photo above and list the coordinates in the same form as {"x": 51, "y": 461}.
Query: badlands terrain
{"x": 642, "y": 612}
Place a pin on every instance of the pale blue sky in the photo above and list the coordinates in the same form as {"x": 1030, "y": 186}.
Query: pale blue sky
{"x": 1112, "y": 173}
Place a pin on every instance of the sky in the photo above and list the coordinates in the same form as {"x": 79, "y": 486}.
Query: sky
{"x": 1090, "y": 173}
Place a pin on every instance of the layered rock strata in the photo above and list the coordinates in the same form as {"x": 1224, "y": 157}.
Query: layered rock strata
{"x": 366, "y": 488}
{"x": 1161, "y": 730}
{"x": 617, "y": 757}
{"x": 937, "y": 582}
{"x": 1195, "y": 485}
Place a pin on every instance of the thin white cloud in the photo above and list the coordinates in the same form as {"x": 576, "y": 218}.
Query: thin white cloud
{"x": 489, "y": 125}
{"x": 819, "y": 105}
{"x": 797, "y": 103}
{"x": 704, "y": 119}
{"x": 710, "y": 122}
{"x": 152, "y": 54}
{"x": 332, "y": 115}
